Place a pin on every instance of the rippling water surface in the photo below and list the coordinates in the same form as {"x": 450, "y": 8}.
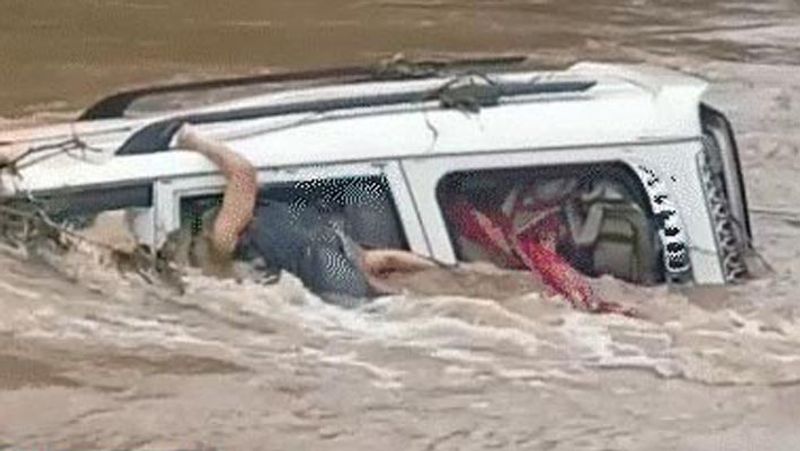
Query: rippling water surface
{"x": 91, "y": 358}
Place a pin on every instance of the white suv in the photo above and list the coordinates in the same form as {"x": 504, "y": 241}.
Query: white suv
{"x": 644, "y": 177}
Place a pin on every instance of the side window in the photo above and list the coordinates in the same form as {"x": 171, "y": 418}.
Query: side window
{"x": 81, "y": 207}
{"x": 596, "y": 217}
{"x": 362, "y": 206}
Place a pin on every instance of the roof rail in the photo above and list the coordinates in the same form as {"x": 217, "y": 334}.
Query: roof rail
{"x": 157, "y": 136}
{"x": 395, "y": 68}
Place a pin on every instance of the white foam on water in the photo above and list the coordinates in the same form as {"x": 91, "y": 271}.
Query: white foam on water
{"x": 433, "y": 370}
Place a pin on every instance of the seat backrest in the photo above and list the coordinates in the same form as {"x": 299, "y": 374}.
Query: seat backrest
{"x": 626, "y": 244}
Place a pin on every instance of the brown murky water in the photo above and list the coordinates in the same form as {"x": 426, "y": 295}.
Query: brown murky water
{"x": 92, "y": 359}
{"x": 63, "y": 54}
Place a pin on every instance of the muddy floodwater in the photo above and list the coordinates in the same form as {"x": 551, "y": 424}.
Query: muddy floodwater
{"x": 94, "y": 359}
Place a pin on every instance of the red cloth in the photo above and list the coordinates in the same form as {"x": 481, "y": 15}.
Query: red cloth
{"x": 495, "y": 232}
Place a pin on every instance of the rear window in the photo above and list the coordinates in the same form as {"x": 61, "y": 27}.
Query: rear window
{"x": 80, "y": 207}
{"x": 597, "y": 217}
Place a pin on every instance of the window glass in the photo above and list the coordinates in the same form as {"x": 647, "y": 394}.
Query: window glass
{"x": 79, "y": 208}
{"x": 595, "y": 217}
{"x": 362, "y": 206}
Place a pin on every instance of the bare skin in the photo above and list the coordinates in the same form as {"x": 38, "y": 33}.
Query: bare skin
{"x": 218, "y": 243}
{"x": 214, "y": 250}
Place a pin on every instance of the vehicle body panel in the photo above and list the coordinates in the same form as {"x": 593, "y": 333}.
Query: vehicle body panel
{"x": 641, "y": 117}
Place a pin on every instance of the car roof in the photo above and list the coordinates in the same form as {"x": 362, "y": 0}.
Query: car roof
{"x": 611, "y": 104}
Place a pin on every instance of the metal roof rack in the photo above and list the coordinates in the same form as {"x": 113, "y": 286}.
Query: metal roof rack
{"x": 396, "y": 68}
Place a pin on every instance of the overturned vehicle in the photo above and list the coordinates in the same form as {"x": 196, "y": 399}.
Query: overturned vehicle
{"x": 621, "y": 170}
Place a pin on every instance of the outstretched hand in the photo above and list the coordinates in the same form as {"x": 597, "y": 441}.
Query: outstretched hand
{"x": 377, "y": 264}
{"x": 380, "y": 262}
